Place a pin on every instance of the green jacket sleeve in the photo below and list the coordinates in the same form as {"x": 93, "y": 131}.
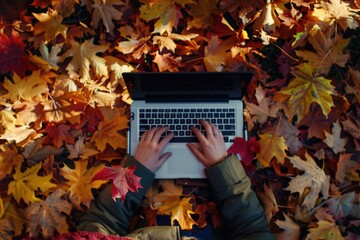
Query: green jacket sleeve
{"x": 243, "y": 215}
{"x": 109, "y": 217}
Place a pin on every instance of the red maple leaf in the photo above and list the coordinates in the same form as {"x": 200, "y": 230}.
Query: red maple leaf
{"x": 12, "y": 55}
{"x": 246, "y": 149}
{"x": 123, "y": 180}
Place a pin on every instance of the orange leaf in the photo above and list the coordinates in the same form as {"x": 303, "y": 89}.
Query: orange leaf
{"x": 80, "y": 182}
{"x": 57, "y": 135}
{"x": 180, "y": 210}
{"x": 50, "y": 23}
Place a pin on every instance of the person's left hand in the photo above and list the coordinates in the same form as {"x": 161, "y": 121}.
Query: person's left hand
{"x": 150, "y": 148}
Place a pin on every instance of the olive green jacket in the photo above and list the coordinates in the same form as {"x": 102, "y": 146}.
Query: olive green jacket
{"x": 242, "y": 213}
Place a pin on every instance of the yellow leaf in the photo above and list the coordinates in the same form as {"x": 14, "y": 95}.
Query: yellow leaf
{"x": 325, "y": 230}
{"x": 51, "y": 24}
{"x": 84, "y": 56}
{"x": 21, "y": 135}
{"x": 179, "y": 210}
{"x": 306, "y": 88}
{"x": 165, "y": 11}
{"x": 80, "y": 182}
{"x": 271, "y": 146}
{"x": 10, "y": 159}
{"x": 216, "y": 54}
{"x": 291, "y": 229}
{"x": 48, "y": 60}
{"x": 25, "y": 88}
{"x": 26, "y": 183}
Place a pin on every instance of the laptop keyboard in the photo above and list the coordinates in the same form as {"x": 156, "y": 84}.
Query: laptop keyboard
{"x": 180, "y": 121}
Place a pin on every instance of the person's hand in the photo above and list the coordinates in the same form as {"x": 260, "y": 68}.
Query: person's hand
{"x": 150, "y": 148}
{"x": 211, "y": 148}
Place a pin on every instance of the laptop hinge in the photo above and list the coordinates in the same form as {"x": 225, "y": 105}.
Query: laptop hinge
{"x": 187, "y": 98}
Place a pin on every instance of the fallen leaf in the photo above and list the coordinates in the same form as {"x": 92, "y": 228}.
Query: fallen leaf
{"x": 49, "y": 23}
{"x": 271, "y": 146}
{"x": 105, "y": 11}
{"x": 346, "y": 168}
{"x": 123, "y": 180}
{"x": 10, "y": 159}
{"x": 343, "y": 206}
{"x": 79, "y": 182}
{"x": 58, "y": 135}
{"x": 26, "y": 183}
{"x": 313, "y": 178}
{"x": 81, "y": 149}
{"x": 46, "y": 217}
{"x": 325, "y": 230}
{"x": 305, "y": 89}
{"x": 268, "y": 202}
{"x": 334, "y": 140}
{"x": 216, "y": 54}
{"x": 202, "y": 13}
{"x": 291, "y": 229}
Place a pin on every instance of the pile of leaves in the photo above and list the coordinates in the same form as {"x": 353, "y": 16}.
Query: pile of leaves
{"x": 64, "y": 105}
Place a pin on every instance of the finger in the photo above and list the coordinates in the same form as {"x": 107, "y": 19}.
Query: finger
{"x": 165, "y": 140}
{"x": 215, "y": 129}
{"x": 158, "y": 133}
{"x": 208, "y": 128}
{"x": 164, "y": 157}
{"x": 149, "y": 134}
{"x": 198, "y": 134}
{"x": 198, "y": 154}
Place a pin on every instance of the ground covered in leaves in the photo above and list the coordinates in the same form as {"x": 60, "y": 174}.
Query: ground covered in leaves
{"x": 64, "y": 106}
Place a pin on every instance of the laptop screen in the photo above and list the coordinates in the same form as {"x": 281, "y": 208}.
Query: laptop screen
{"x": 186, "y": 86}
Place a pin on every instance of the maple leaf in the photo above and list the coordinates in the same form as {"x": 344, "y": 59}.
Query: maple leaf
{"x": 41, "y": 3}
{"x": 36, "y": 151}
{"x": 9, "y": 159}
{"x": 48, "y": 60}
{"x": 12, "y": 55}
{"x": 64, "y": 7}
{"x": 46, "y": 217}
{"x": 80, "y": 182}
{"x": 289, "y": 132}
{"x": 268, "y": 202}
{"x": 165, "y": 11}
{"x": 316, "y": 122}
{"x": 21, "y": 135}
{"x": 313, "y": 178}
{"x": 336, "y": 12}
{"x": 328, "y": 51}
{"x": 202, "y": 13}
{"x": 271, "y": 146}
{"x": 49, "y": 23}
{"x": 325, "y": 230}
{"x": 8, "y": 119}
{"x": 83, "y": 55}
{"x": 166, "y": 62}
{"x": 334, "y": 141}
{"x": 25, "y": 88}
{"x": 107, "y": 132}
{"x": 57, "y": 135}
{"x": 216, "y": 54}
{"x": 81, "y": 149}
{"x": 291, "y": 229}
{"x": 305, "y": 89}
{"x": 344, "y": 206}
{"x": 26, "y": 183}
{"x": 264, "y": 109}
{"x": 246, "y": 149}
{"x": 123, "y": 180}
{"x": 180, "y": 210}
{"x": 346, "y": 169}
{"x": 63, "y": 107}
{"x": 268, "y": 19}
{"x": 104, "y": 10}
{"x": 168, "y": 41}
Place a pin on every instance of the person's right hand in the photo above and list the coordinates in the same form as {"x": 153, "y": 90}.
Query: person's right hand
{"x": 150, "y": 148}
{"x": 211, "y": 148}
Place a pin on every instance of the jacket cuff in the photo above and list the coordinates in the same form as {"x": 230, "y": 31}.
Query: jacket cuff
{"x": 147, "y": 176}
{"x": 226, "y": 173}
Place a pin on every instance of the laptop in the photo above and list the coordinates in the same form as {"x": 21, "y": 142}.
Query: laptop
{"x": 179, "y": 100}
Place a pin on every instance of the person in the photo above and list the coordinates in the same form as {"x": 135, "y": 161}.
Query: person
{"x": 242, "y": 213}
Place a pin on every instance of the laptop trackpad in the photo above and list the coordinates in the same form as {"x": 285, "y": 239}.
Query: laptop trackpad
{"x": 187, "y": 163}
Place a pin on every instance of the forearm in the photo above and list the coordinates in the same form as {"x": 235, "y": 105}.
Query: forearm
{"x": 243, "y": 215}
{"x": 110, "y": 217}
